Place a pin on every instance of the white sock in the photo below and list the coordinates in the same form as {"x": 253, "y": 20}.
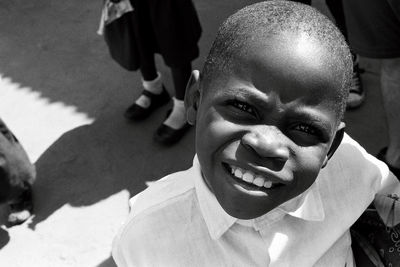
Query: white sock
{"x": 154, "y": 86}
{"x": 177, "y": 117}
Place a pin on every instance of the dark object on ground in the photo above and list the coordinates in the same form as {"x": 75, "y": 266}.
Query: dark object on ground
{"x": 21, "y": 208}
{"x": 17, "y": 174}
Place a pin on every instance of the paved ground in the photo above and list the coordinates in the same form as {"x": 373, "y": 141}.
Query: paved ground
{"x": 64, "y": 98}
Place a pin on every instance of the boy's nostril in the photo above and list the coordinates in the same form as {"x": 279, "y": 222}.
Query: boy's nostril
{"x": 266, "y": 146}
{"x": 282, "y": 154}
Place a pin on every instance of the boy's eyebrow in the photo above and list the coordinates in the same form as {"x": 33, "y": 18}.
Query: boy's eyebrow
{"x": 254, "y": 95}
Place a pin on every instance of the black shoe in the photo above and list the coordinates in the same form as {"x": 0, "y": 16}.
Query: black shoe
{"x": 356, "y": 93}
{"x": 136, "y": 112}
{"x": 382, "y": 156}
{"x": 167, "y": 136}
{"x": 22, "y": 207}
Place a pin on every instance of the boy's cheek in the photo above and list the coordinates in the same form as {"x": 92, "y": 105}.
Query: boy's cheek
{"x": 310, "y": 166}
{"x": 214, "y": 127}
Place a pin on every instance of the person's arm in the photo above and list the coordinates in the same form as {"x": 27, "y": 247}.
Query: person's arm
{"x": 387, "y": 200}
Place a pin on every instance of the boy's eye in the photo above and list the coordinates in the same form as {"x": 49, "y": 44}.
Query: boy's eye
{"x": 305, "y": 134}
{"x": 306, "y": 129}
{"x": 243, "y": 106}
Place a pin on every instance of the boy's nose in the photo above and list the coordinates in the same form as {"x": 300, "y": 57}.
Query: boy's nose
{"x": 267, "y": 142}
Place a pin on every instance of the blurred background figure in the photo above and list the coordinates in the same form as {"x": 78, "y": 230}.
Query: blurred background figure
{"x": 16, "y": 177}
{"x": 357, "y": 93}
{"x": 374, "y": 31}
{"x": 172, "y": 29}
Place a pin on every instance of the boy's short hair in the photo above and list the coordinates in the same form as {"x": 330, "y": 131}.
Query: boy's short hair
{"x": 271, "y": 18}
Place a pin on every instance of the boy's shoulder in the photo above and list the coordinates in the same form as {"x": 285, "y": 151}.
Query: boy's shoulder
{"x": 158, "y": 215}
{"x": 351, "y": 156}
{"x": 159, "y": 205}
{"x": 352, "y": 162}
{"x": 162, "y": 193}
{"x": 351, "y": 174}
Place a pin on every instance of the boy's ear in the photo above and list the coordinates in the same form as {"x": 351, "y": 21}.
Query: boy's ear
{"x": 335, "y": 143}
{"x": 192, "y": 97}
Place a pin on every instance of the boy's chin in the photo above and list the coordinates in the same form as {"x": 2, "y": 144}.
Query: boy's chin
{"x": 248, "y": 214}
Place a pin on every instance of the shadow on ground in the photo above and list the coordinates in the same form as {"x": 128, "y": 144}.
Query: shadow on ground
{"x": 93, "y": 162}
{"x": 107, "y": 263}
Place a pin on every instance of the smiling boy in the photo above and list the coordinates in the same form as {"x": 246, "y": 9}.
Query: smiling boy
{"x": 267, "y": 109}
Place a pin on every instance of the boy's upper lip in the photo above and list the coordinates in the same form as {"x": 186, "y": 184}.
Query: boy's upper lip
{"x": 258, "y": 170}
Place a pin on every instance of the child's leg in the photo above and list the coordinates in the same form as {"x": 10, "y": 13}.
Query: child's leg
{"x": 180, "y": 77}
{"x": 154, "y": 94}
{"x": 151, "y": 80}
{"x": 148, "y": 66}
{"x": 175, "y": 126}
{"x": 390, "y": 83}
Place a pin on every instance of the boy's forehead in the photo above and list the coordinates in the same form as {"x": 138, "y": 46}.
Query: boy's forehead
{"x": 287, "y": 45}
{"x": 264, "y": 57}
{"x": 297, "y": 65}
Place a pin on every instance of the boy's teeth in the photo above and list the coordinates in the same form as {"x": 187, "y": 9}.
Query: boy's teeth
{"x": 267, "y": 184}
{"x": 259, "y": 181}
{"x": 250, "y": 177}
{"x": 238, "y": 173}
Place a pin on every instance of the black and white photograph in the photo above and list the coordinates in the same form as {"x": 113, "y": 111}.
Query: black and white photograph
{"x": 235, "y": 133}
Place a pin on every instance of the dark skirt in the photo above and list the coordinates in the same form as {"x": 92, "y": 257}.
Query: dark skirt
{"x": 168, "y": 27}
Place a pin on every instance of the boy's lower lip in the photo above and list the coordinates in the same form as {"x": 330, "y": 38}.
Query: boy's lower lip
{"x": 246, "y": 186}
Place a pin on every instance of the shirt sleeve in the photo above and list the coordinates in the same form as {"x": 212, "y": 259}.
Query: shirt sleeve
{"x": 386, "y": 186}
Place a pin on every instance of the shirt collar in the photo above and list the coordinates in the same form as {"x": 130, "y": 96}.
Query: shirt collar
{"x": 306, "y": 206}
{"x": 217, "y": 220}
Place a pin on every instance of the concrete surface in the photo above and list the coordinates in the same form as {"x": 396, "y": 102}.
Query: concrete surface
{"x": 64, "y": 97}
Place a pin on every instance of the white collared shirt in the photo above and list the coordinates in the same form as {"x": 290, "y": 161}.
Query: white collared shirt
{"x": 177, "y": 221}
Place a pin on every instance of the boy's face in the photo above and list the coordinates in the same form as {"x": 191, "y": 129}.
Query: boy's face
{"x": 264, "y": 128}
